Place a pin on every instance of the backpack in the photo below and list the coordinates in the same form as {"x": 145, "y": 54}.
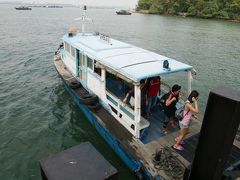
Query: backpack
{"x": 163, "y": 99}
{"x": 179, "y": 113}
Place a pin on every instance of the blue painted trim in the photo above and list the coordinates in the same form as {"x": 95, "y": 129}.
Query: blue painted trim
{"x": 112, "y": 100}
{"x": 233, "y": 166}
{"x": 111, "y": 140}
{"x": 127, "y": 112}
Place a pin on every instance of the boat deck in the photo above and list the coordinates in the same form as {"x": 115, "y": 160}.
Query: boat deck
{"x": 142, "y": 151}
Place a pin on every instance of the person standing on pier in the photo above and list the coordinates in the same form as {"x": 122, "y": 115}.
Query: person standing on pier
{"x": 191, "y": 106}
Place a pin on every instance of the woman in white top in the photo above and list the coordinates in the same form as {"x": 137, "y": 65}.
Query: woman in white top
{"x": 191, "y": 107}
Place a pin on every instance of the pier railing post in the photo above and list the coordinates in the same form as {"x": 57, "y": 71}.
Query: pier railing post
{"x": 219, "y": 127}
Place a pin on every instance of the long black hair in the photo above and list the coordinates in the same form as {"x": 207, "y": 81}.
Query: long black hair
{"x": 194, "y": 94}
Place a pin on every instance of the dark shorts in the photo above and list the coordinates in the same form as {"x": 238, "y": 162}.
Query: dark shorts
{"x": 170, "y": 112}
{"x": 170, "y": 115}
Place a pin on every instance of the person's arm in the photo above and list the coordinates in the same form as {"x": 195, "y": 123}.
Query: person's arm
{"x": 170, "y": 100}
{"x": 127, "y": 95}
{"x": 193, "y": 108}
{"x": 125, "y": 99}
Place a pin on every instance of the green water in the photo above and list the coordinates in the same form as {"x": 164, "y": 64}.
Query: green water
{"x": 37, "y": 116}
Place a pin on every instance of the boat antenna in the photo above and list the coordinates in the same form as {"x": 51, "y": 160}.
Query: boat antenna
{"x": 83, "y": 18}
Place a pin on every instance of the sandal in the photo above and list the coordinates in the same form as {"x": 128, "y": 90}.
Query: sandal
{"x": 182, "y": 142}
{"x": 178, "y": 147}
{"x": 165, "y": 132}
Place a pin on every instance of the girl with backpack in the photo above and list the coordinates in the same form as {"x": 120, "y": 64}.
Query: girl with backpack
{"x": 190, "y": 107}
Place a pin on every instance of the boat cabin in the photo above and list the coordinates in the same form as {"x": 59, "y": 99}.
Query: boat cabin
{"x": 110, "y": 68}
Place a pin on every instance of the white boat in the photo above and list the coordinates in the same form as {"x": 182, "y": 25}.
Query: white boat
{"x": 98, "y": 71}
{"x": 123, "y": 12}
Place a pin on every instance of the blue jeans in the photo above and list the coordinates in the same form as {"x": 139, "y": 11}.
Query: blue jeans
{"x": 143, "y": 110}
{"x": 152, "y": 100}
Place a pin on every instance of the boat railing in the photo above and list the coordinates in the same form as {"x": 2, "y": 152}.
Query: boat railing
{"x": 119, "y": 105}
{"x": 118, "y": 102}
{"x": 123, "y": 109}
{"x": 165, "y": 88}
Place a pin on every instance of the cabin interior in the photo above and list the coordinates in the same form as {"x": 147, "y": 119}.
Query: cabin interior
{"x": 119, "y": 88}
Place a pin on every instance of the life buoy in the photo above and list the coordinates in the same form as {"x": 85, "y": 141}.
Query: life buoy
{"x": 88, "y": 99}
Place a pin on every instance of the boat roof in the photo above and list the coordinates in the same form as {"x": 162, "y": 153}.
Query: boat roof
{"x": 130, "y": 61}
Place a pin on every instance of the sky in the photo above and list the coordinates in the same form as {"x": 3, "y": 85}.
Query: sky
{"x": 125, "y": 3}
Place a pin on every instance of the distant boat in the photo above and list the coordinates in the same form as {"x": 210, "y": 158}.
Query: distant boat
{"x": 23, "y": 8}
{"x": 123, "y": 12}
{"x": 54, "y": 6}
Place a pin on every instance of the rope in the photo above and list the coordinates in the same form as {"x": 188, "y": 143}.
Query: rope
{"x": 169, "y": 163}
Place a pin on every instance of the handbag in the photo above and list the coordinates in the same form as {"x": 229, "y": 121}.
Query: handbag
{"x": 179, "y": 113}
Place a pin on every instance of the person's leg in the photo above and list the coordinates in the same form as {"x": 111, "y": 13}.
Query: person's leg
{"x": 149, "y": 105}
{"x": 143, "y": 110}
{"x": 180, "y": 138}
{"x": 165, "y": 124}
{"x": 185, "y": 133}
{"x": 172, "y": 121}
{"x": 154, "y": 101}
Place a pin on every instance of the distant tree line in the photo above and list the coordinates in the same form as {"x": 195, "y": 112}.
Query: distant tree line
{"x": 223, "y": 9}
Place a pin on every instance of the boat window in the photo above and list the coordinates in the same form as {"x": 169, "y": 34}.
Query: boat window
{"x": 117, "y": 86}
{"x": 89, "y": 63}
{"x": 97, "y": 70}
{"x": 67, "y": 47}
{"x": 73, "y": 51}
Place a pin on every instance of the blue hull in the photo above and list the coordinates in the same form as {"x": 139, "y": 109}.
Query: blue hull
{"x": 109, "y": 138}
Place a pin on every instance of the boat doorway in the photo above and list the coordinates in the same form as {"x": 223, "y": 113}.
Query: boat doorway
{"x": 81, "y": 67}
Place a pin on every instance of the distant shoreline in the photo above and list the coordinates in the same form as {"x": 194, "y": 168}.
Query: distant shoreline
{"x": 184, "y": 15}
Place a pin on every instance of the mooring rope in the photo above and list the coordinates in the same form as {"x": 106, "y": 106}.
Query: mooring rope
{"x": 165, "y": 160}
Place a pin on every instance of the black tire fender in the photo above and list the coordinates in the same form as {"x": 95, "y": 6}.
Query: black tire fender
{"x": 94, "y": 106}
{"x": 88, "y": 99}
{"x": 74, "y": 85}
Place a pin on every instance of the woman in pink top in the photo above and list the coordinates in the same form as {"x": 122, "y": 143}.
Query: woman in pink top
{"x": 191, "y": 107}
